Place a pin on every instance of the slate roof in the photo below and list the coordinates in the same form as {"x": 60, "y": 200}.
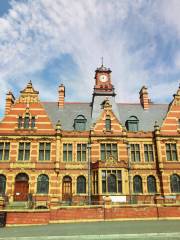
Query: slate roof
{"x": 122, "y": 111}
{"x": 147, "y": 118}
{"x": 68, "y": 113}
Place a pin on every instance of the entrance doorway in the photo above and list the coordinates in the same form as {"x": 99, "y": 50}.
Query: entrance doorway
{"x": 67, "y": 189}
{"x": 21, "y": 188}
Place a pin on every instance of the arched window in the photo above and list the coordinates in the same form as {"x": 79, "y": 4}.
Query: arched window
{"x": 43, "y": 184}
{"x": 137, "y": 184}
{"x": 112, "y": 186}
{"x": 22, "y": 177}
{"x": 81, "y": 184}
{"x": 80, "y": 123}
{"x": 108, "y": 123}
{"x": 175, "y": 183}
{"x": 2, "y": 184}
{"x": 132, "y": 124}
{"x": 26, "y": 121}
{"x": 151, "y": 184}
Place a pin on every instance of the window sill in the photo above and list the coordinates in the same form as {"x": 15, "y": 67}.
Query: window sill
{"x": 172, "y": 161}
{"x": 43, "y": 161}
{"x": 112, "y": 194}
{"x": 135, "y": 194}
{"x": 26, "y": 129}
{"x": 41, "y": 194}
{"x": 81, "y": 194}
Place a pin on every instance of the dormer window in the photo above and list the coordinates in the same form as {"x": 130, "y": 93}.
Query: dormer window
{"x": 108, "y": 123}
{"x": 132, "y": 124}
{"x": 80, "y": 123}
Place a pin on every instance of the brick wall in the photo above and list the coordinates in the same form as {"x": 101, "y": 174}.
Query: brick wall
{"x": 98, "y": 213}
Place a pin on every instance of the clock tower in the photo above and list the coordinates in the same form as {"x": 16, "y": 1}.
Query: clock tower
{"x": 103, "y": 85}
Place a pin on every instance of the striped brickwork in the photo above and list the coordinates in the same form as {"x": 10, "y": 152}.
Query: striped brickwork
{"x": 57, "y": 168}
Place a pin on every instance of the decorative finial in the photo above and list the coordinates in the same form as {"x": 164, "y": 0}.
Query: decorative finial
{"x": 156, "y": 126}
{"x": 58, "y": 125}
{"x": 102, "y": 61}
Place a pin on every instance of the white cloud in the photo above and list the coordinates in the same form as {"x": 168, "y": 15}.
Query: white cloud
{"x": 36, "y": 32}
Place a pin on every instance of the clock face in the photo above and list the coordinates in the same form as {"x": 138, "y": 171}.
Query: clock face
{"x": 103, "y": 78}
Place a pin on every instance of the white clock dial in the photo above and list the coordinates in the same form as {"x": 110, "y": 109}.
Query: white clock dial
{"x": 103, "y": 78}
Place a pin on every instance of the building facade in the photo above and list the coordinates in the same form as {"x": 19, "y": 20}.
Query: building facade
{"x": 70, "y": 152}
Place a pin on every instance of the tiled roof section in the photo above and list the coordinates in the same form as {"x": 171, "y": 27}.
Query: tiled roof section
{"x": 122, "y": 111}
{"x": 67, "y": 114}
{"x": 147, "y": 118}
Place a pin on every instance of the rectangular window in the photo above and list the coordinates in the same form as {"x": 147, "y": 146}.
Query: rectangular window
{"x": 171, "y": 152}
{"x": 33, "y": 121}
{"x": 108, "y": 150}
{"x": 4, "y": 151}
{"x": 95, "y": 182}
{"x": 44, "y": 151}
{"x": 81, "y": 152}
{"x": 135, "y": 153}
{"x": 148, "y": 153}
{"x": 24, "y": 151}
{"x": 67, "y": 152}
{"x": 20, "y": 122}
{"x": 111, "y": 181}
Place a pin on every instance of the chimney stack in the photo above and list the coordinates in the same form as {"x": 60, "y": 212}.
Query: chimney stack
{"x": 144, "y": 99}
{"x": 10, "y": 99}
{"x": 61, "y": 96}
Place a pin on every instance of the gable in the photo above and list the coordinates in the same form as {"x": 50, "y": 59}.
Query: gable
{"x": 43, "y": 126}
{"x": 100, "y": 127}
{"x": 171, "y": 124}
{"x": 26, "y": 115}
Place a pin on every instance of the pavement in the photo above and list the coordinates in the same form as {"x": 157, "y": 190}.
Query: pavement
{"x": 136, "y": 230}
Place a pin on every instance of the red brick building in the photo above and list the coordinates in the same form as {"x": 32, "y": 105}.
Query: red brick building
{"x": 59, "y": 152}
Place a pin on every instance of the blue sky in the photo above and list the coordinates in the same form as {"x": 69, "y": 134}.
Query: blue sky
{"x": 62, "y": 41}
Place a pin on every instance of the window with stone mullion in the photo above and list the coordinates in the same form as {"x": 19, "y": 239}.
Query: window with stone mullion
{"x": 171, "y": 152}
{"x": 24, "y": 151}
{"x": 111, "y": 181}
{"x": 44, "y": 151}
{"x": 81, "y": 152}
{"x": 148, "y": 153}
{"x": 4, "y": 150}
{"x": 67, "y": 152}
{"x": 135, "y": 153}
{"x": 108, "y": 150}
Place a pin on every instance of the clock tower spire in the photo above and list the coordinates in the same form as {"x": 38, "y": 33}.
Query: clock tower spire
{"x": 103, "y": 85}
